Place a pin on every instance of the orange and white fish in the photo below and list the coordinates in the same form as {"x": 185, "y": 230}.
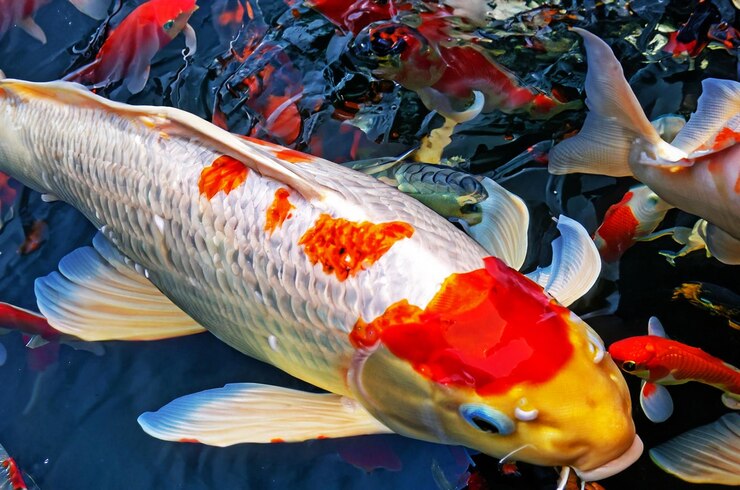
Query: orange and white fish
{"x": 324, "y": 272}
{"x": 20, "y": 13}
{"x": 662, "y": 361}
{"x": 698, "y": 171}
{"x": 635, "y": 216}
{"x": 128, "y": 52}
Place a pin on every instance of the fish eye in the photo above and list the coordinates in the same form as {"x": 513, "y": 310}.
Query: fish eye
{"x": 486, "y": 419}
{"x": 629, "y": 366}
{"x": 168, "y": 25}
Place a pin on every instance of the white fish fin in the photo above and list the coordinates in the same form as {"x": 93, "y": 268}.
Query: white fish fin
{"x": 575, "y": 266}
{"x": 718, "y": 107}
{"x": 32, "y": 29}
{"x": 707, "y": 454}
{"x": 503, "y": 229}
{"x": 655, "y": 327}
{"x": 96, "y": 9}
{"x": 248, "y": 412}
{"x": 96, "y": 296}
{"x": 723, "y": 246}
{"x": 730, "y": 400}
{"x": 656, "y": 402}
{"x": 191, "y": 41}
{"x": 258, "y": 156}
{"x": 437, "y": 101}
{"x": 615, "y": 120}
{"x": 137, "y": 78}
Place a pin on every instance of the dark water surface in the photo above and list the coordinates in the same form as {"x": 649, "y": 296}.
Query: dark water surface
{"x": 69, "y": 417}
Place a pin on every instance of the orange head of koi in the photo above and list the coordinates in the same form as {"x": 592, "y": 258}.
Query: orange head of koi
{"x": 493, "y": 363}
{"x": 173, "y": 15}
{"x": 399, "y": 52}
{"x": 634, "y": 354}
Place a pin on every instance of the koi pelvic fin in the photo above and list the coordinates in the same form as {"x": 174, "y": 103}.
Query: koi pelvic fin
{"x": 248, "y": 412}
{"x": 96, "y": 9}
{"x": 707, "y": 454}
{"x": 615, "y": 120}
{"x": 98, "y": 296}
{"x": 656, "y": 402}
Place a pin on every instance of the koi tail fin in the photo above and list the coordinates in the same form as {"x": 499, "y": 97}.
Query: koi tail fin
{"x": 614, "y": 122}
{"x": 97, "y": 9}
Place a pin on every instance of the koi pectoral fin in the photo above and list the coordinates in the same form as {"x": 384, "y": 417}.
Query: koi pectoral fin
{"x": 97, "y": 9}
{"x": 33, "y": 29}
{"x": 97, "y": 296}
{"x": 656, "y": 402}
{"x": 248, "y": 412}
{"x": 707, "y": 454}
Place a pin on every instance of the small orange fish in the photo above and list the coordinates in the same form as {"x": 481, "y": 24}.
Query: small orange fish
{"x": 127, "y": 53}
{"x": 20, "y": 13}
{"x": 35, "y": 237}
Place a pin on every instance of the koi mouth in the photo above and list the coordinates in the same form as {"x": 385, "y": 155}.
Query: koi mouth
{"x": 614, "y": 466}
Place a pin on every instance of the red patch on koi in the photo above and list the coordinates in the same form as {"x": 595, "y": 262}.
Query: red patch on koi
{"x": 224, "y": 174}
{"x": 725, "y": 138}
{"x": 14, "y": 474}
{"x": 489, "y": 329}
{"x": 278, "y": 211}
{"x": 345, "y": 248}
{"x": 649, "y": 389}
{"x": 293, "y": 156}
{"x": 7, "y": 192}
{"x": 618, "y": 229}
{"x": 192, "y": 441}
{"x": 277, "y": 440}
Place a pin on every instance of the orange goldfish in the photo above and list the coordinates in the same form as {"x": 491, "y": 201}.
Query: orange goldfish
{"x": 20, "y": 13}
{"x": 127, "y": 53}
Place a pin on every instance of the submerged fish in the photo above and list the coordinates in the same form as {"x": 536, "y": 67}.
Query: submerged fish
{"x": 698, "y": 172}
{"x": 129, "y": 49}
{"x": 661, "y": 361}
{"x": 716, "y": 299}
{"x": 11, "y": 477}
{"x": 20, "y": 13}
{"x": 319, "y": 270}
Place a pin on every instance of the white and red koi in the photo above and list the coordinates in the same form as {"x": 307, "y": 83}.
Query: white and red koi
{"x": 129, "y": 49}
{"x": 698, "y": 171}
{"x": 322, "y": 271}
{"x": 20, "y": 13}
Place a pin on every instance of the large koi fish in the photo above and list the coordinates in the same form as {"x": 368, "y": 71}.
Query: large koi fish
{"x": 320, "y": 270}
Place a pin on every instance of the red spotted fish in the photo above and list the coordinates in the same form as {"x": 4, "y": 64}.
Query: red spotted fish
{"x": 324, "y": 272}
{"x": 128, "y": 52}
{"x": 20, "y": 13}
{"x": 698, "y": 171}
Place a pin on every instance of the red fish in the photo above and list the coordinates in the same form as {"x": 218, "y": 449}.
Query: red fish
{"x": 637, "y": 215}
{"x": 11, "y": 477}
{"x": 20, "y": 13}
{"x": 8, "y": 193}
{"x": 661, "y": 361}
{"x": 127, "y": 53}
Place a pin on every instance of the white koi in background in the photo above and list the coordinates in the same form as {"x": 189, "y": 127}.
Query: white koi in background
{"x": 323, "y": 272}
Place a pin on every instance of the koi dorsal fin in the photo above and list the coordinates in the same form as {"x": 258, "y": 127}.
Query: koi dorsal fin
{"x": 176, "y": 122}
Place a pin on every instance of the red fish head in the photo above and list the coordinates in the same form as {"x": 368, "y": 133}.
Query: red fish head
{"x": 398, "y": 52}
{"x": 634, "y": 354}
{"x": 495, "y": 364}
{"x": 173, "y": 15}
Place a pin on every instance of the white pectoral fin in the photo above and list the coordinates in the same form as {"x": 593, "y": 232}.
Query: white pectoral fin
{"x": 503, "y": 229}
{"x": 33, "y": 29}
{"x": 655, "y": 327}
{"x": 96, "y": 9}
{"x": 656, "y": 402}
{"x": 97, "y": 296}
{"x": 723, "y": 246}
{"x": 263, "y": 158}
{"x": 248, "y": 412}
{"x": 718, "y": 107}
{"x": 707, "y": 454}
{"x": 575, "y": 266}
{"x": 191, "y": 41}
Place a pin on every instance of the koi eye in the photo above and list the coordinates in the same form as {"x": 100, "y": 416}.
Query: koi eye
{"x": 629, "y": 366}
{"x": 168, "y": 25}
{"x": 486, "y": 419}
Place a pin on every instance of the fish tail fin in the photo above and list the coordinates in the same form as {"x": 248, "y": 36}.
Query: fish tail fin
{"x": 614, "y": 122}
{"x": 97, "y": 9}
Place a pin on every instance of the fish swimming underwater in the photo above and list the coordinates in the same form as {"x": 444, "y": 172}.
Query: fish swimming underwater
{"x": 20, "y": 13}
{"x": 319, "y": 270}
{"x": 127, "y": 53}
{"x": 716, "y": 299}
{"x": 661, "y": 361}
{"x": 698, "y": 171}
{"x": 11, "y": 477}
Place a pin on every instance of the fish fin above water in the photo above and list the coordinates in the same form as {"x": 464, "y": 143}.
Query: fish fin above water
{"x": 717, "y": 113}
{"x": 503, "y": 228}
{"x": 256, "y": 413}
{"x": 615, "y": 120}
{"x": 97, "y": 296}
{"x": 655, "y": 327}
{"x": 269, "y": 160}
{"x": 707, "y": 454}
{"x": 656, "y": 402}
{"x": 96, "y": 9}
{"x": 575, "y": 266}
{"x": 32, "y": 29}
